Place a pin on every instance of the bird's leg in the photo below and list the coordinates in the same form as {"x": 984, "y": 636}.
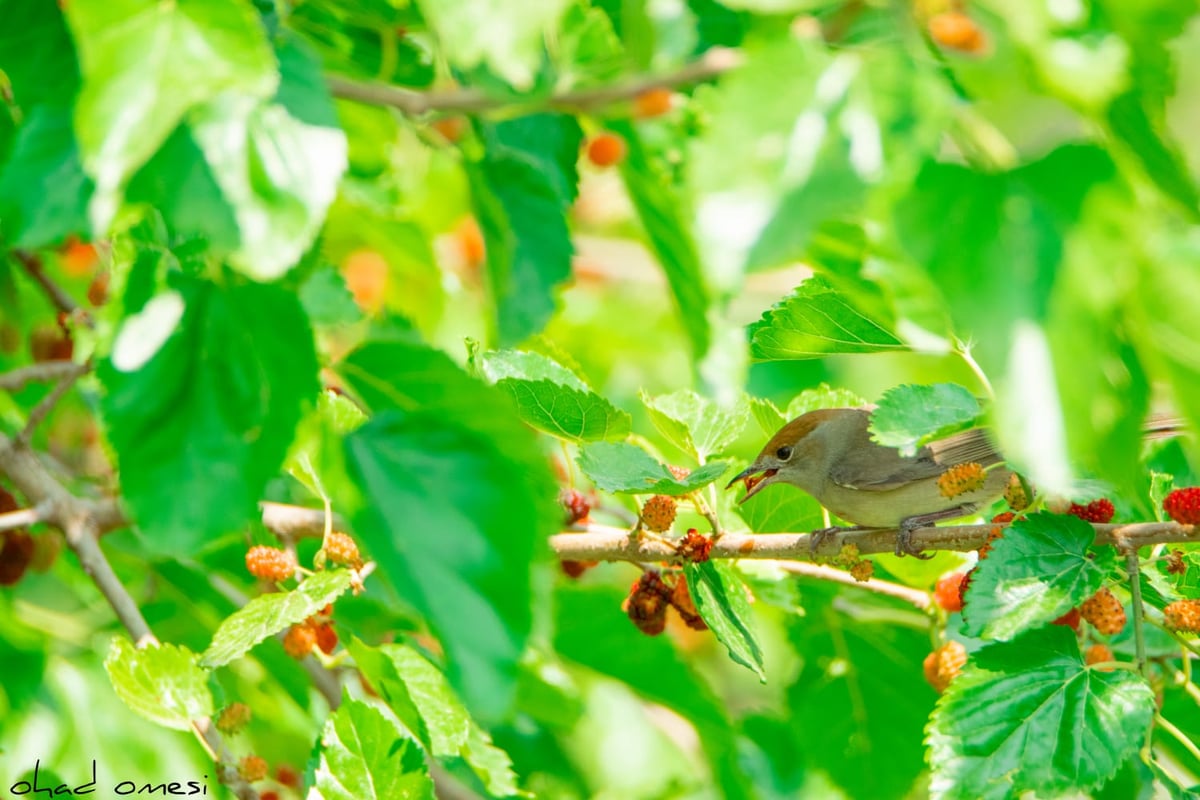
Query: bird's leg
{"x": 904, "y": 544}
{"x": 818, "y": 537}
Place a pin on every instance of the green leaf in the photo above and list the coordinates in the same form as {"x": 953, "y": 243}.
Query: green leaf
{"x": 782, "y": 509}
{"x": 278, "y": 164}
{"x": 860, "y": 678}
{"x": 669, "y": 233}
{"x": 1144, "y": 138}
{"x": 696, "y": 425}
{"x": 205, "y": 388}
{"x": 553, "y": 399}
{"x": 1039, "y": 570}
{"x": 1029, "y": 716}
{"x": 456, "y": 548}
{"x": 911, "y": 416}
{"x": 625, "y": 467}
{"x": 44, "y": 192}
{"x": 591, "y": 629}
{"x": 160, "y": 682}
{"x": 822, "y": 397}
{"x": 37, "y": 55}
{"x": 365, "y": 755}
{"x": 422, "y": 699}
{"x": 145, "y": 65}
{"x": 993, "y": 242}
{"x": 507, "y": 39}
{"x": 521, "y": 192}
{"x": 326, "y": 299}
{"x": 721, "y": 598}
{"x": 767, "y": 415}
{"x": 268, "y": 614}
{"x": 816, "y": 321}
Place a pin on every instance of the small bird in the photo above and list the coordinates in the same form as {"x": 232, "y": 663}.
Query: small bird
{"x": 829, "y": 454}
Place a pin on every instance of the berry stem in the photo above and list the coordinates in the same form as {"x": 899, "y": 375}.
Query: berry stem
{"x": 1179, "y": 736}
{"x": 1139, "y": 613}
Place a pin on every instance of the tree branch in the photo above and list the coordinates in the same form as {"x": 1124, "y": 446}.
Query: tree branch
{"x": 78, "y": 519}
{"x": 296, "y": 522}
{"x": 47, "y": 403}
{"x": 914, "y": 597}
{"x": 603, "y": 543}
{"x": 714, "y": 62}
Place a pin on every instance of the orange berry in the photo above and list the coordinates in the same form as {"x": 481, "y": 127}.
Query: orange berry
{"x": 300, "y": 640}
{"x": 288, "y": 776}
{"x": 960, "y": 479}
{"x": 233, "y": 718}
{"x": 78, "y": 258}
{"x": 327, "y": 638}
{"x": 1098, "y": 654}
{"x": 1104, "y": 611}
{"x": 681, "y": 599}
{"x": 944, "y": 664}
{"x": 659, "y": 512}
{"x": 652, "y": 103}
{"x": 97, "y": 291}
{"x": 606, "y": 149}
{"x": 955, "y": 30}
{"x": 1069, "y": 619}
{"x": 270, "y": 563}
{"x": 253, "y": 768}
{"x": 470, "y": 242}
{"x": 451, "y": 128}
{"x": 366, "y": 276}
{"x": 947, "y": 593}
{"x": 1183, "y": 615}
{"x": 341, "y": 549}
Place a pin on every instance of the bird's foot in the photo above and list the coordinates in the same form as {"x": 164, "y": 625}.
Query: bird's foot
{"x": 818, "y": 537}
{"x": 904, "y": 545}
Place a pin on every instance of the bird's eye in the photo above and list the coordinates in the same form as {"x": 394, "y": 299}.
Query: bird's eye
{"x": 784, "y": 453}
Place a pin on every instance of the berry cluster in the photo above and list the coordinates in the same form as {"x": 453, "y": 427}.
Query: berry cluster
{"x": 944, "y": 664}
{"x": 1098, "y": 511}
{"x": 316, "y": 631}
{"x": 694, "y": 546}
{"x": 651, "y": 596}
{"x": 961, "y": 478}
{"x": 1104, "y": 612}
{"x": 575, "y": 505}
{"x": 1183, "y": 505}
{"x": 233, "y": 718}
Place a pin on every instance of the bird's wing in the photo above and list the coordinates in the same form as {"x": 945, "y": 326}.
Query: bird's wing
{"x": 964, "y": 448}
{"x": 875, "y": 468}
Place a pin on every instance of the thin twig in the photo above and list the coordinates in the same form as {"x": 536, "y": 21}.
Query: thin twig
{"x": 22, "y": 518}
{"x": 914, "y": 597}
{"x": 1139, "y": 611}
{"x": 603, "y": 543}
{"x": 44, "y": 372}
{"x": 714, "y": 62}
{"x": 296, "y": 522}
{"x": 58, "y": 296}
{"x": 47, "y": 404}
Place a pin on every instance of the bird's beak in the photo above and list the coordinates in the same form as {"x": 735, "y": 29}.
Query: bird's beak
{"x": 755, "y": 477}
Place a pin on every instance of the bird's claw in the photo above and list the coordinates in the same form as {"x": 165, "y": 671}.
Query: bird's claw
{"x": 818, "y": 537}
{"x": 904, "y": 545}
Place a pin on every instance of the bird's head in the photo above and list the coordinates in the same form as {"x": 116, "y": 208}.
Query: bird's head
{"x": 796, "y": 454}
